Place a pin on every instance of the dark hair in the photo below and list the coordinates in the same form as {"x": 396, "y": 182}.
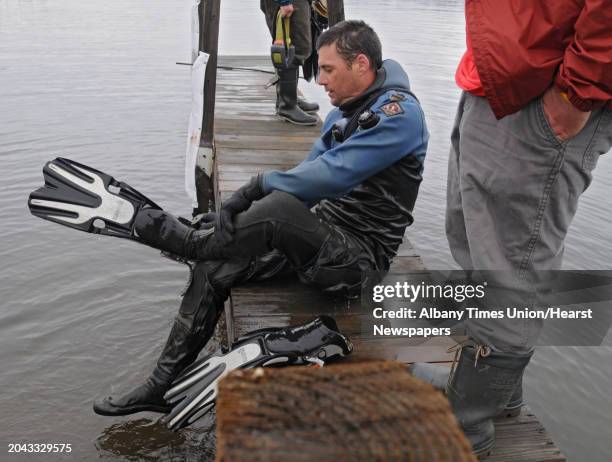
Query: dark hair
{"x": 353, "y": 38}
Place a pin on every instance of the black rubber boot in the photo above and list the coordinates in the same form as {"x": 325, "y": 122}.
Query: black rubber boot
{"x": 166, "y": 232}
{"x": 288, "y": 108}
{"x": 193, "y": 327}
{"x": 307, "y": 106}
{"x": 479, "y": 390}
{"x": 303, "y": 104}
{"x": 181, "y": 350}
{"x": 437, "y": 375}
{"x": 514, "y": 406}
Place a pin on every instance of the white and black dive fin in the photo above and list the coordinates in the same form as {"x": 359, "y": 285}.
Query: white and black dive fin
{"x": 193, "y": 393}
{"x": 84, "y": 198}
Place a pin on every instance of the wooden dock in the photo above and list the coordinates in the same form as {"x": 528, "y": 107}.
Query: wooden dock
{"x": 249, "y": 138}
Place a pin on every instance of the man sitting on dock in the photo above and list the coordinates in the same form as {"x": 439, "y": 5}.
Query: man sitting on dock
{"x": 363, "y": 176}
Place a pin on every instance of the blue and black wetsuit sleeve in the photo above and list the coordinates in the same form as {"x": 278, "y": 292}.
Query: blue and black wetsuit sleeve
{"x": 331, "y": 173}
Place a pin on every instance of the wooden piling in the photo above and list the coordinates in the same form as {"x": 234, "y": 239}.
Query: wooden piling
{"x": 208, "y": 16}
{"x": 372, "y": 411}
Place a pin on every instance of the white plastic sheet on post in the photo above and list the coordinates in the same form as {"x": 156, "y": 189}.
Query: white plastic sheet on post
{"x": 198, "y": 71}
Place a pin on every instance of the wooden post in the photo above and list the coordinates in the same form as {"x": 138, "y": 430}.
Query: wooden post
{"x": 208, "y": 13}
{"x": 209, "y": 41}
{"x": 335, "y": 10}
{"x": 348, "y": 412}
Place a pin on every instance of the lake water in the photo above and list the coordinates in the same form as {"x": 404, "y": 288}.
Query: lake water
{"x": 84, "y": 315}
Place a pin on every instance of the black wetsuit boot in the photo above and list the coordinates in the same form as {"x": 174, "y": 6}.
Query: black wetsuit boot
{"x": 176, "y": 355}
{"x": 277, "y": 222}
{"x": 193, "y": 327}
{"x": 288, "y": 107}
{"x": 479, "y": 390}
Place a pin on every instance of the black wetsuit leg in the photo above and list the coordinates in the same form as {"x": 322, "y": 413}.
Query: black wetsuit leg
{"x": 276, "y": 235}
{"x": 321, "y": 253}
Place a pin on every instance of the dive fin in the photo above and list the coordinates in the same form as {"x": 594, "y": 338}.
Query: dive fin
{"x": 87, "y": 199}
{"x": 193, "y": 393}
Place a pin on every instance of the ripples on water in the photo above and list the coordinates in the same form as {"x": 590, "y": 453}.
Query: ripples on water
{"x": 97, "y": 82}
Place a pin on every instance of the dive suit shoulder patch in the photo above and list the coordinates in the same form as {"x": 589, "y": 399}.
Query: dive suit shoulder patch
{"x": 391, "y": 109}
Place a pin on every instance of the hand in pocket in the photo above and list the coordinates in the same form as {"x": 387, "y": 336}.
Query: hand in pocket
{"x": 563, "y": 117}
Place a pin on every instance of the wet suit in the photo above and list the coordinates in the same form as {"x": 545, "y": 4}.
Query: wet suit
{"x": 363, "y": 181}
{"x": 364, "y": 187}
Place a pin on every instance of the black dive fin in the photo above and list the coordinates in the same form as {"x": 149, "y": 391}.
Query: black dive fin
{"x": 84, "y": 198}
{"x": 193, "y": 393}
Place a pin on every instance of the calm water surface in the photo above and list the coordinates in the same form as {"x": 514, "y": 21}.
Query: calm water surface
{"x": 84, "y": 315}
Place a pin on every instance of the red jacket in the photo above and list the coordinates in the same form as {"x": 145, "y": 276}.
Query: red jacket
{"x": 521, "y": 47}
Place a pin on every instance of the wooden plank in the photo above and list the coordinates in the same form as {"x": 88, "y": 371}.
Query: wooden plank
{"x": 261, "y": 126}
{"x": 258, "y": 156}
{"x": 523, "y": 438}
{"x": 258, "y": 61}
{"x": 279, "y": 143}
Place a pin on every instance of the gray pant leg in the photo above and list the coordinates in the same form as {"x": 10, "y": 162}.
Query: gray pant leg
{"x": 300, "y": 30}
{"x": 513, "y": 190}
{"x": 455, "y": 225}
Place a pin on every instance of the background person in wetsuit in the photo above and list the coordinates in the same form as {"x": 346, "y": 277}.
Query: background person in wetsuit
{"x": 363, "y": 175}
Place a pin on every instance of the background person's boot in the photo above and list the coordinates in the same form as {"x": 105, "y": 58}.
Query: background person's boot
{"x": 307, "y": 106}
{"x": 288, "y": 108}
{"x": 303, "y": 104}
{"x": 479, "y": 390}
{"x": 437, "y": 375}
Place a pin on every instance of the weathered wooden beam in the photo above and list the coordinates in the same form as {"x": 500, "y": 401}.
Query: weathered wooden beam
{"x": 335, "y": 11}
{"x": 209, "y": 43}
{"x": 372, "y": 411}
{"x": 208, "y": 14}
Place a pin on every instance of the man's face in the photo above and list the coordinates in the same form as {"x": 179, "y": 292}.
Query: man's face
{"x": 342, "y": 81}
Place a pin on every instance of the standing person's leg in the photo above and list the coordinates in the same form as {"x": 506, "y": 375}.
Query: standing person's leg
{"x": 269, "y": 8}
{"x": 513, "y": 189}
{"x": 301, "y": 36}
{"x": 513, "y": 192}
{"x": 288, "y": 106}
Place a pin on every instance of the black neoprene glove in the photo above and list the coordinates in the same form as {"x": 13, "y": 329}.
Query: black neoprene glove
{"x": 240, "y": 201}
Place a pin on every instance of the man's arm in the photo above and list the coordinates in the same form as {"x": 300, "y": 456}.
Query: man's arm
{"x": 584, "y": 79}
{"x": 338, "y": 170}
{"x": 586, "y": 71}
